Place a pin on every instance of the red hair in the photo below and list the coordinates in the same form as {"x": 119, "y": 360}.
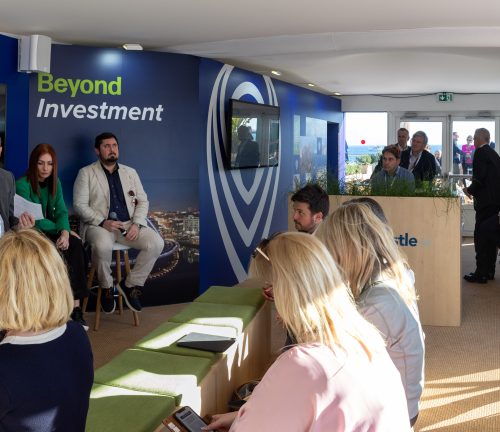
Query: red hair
{"x": 32, "y": 172}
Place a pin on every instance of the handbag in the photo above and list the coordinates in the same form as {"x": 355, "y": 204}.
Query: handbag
{"x": 242, "y": 394}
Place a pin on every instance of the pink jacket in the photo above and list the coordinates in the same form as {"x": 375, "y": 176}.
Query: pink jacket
{"x": 311, "y": 388}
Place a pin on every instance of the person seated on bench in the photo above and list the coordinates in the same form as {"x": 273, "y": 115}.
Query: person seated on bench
{"x": 338, "y": 376}
{"x": 46, "y": 358}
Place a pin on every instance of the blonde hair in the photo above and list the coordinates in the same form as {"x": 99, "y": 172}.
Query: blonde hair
{"x": 365, "y": 249}
{"x": 310, "y": 295}
{"x": 34, "y": 288}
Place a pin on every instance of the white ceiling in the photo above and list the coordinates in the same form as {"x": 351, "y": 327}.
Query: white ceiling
{"x": 351, "y": 47}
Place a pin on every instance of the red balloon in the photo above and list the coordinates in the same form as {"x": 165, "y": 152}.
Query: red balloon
{"x": 363, "y": 141}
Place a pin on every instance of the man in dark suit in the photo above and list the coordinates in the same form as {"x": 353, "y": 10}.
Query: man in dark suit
{"x": 419, "y": 161}
{"x": 485, "y": 188}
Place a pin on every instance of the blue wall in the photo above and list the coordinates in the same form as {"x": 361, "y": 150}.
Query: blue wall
{"x": 179, "y": 159}
{"x": 17, "y": 125}
{"x": 149, "y": 100}
{"x": 240, "y": 207}
{"x": 156, "y": 146}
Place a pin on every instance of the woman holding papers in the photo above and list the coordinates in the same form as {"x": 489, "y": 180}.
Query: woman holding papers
{"x": 42, "y": 186}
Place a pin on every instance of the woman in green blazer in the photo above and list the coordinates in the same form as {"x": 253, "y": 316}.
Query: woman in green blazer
{"x": 42, "y": 186}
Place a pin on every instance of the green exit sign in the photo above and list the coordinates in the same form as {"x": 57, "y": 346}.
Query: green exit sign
{"x": 445, "y": 97}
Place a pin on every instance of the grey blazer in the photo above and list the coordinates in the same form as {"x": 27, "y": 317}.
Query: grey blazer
{"x": 7, "y": 192}
{"x": 91, "y": 195}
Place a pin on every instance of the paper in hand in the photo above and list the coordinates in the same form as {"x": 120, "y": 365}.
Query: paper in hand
{"x": 22, "y": 205}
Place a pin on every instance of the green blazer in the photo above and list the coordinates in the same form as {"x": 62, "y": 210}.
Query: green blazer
{"x": 53, "y": 209}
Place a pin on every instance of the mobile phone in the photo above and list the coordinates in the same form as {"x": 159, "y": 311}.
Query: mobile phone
{"x": 189, "y": 419}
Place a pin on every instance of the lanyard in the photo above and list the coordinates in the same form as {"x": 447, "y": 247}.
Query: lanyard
{"x": 393, "y": 178}
{"x": 414, "y": 164}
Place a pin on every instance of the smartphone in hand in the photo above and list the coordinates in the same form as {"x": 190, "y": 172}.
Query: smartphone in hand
{"x": 189, "y": 419}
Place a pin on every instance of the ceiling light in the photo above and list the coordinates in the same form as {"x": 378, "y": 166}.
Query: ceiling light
{"x": 132, "y": 47}
{"x": 311, "y": 85}
{"x": 275, "y": 72}
{"x": 337, "y": 94}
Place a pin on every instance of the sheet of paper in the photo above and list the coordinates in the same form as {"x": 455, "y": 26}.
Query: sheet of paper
{"x": 22, "y": 205}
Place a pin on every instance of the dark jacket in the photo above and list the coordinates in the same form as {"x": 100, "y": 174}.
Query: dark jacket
{"x": 7, "y": 192}
{"x": 485, "y": 187}
{"x": 426, "y": 168}
{"x": 248, "y": 154}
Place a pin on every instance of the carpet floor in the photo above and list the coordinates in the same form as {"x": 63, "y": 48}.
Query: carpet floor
{"x": 462, "y": 383}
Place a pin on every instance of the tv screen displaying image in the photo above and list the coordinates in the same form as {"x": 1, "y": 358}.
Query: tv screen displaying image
{"x": 253, "y": 135}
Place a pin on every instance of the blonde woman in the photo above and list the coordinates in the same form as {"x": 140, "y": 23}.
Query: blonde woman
{"x": 380, "y": 280}
{"x": 338, "y": 376}
{"x": 46, "y": 361}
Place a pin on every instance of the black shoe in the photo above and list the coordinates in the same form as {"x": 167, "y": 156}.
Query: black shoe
{"x": 77, "y": 316}
{"x": 131, "y": 296}
{"x": 108, "y": 304}
{"x": 475, "y": 278}
{"x": 491, "y": 276}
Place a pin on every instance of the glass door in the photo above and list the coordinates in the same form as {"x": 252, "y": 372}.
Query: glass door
{"x": 462, "y": 142}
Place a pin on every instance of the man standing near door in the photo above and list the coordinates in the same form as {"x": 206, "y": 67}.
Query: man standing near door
{"x": 419, "y": 161}
{"x": 485, "y": 189}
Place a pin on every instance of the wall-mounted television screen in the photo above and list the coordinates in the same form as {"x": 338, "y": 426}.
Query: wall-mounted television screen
{"x": 253, "y": 135}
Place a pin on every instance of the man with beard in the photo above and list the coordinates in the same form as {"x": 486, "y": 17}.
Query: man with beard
{"x": 111, "y": 202}
{"x": 310, "y": 207}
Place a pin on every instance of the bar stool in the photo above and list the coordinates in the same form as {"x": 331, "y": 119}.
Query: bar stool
{"x": 117, "y": 248}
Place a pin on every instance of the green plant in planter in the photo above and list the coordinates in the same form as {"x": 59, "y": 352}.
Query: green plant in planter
{"x": 334, "y": 186}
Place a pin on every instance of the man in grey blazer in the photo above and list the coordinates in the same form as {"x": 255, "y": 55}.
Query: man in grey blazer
{"x": 111, "y": 202}
{"x": 7, "y": 192}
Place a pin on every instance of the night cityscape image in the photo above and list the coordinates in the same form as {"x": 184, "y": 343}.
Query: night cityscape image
{"x": 175, "y": 276}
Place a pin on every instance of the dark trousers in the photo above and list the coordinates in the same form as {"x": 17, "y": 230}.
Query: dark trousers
{"x": 486, "y": 233}
{"x": 74, "y": 258}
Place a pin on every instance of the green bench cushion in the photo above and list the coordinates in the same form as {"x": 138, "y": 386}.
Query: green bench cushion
{"x": 232, "y": 295}
{"x": 164, "y": 338}
{"x": 223, "y": 315}
{"x": 154, "y": 372}
{"x": 114, "y": 409}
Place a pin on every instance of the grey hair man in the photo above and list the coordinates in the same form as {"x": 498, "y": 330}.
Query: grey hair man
{"x": 419, "y": 161}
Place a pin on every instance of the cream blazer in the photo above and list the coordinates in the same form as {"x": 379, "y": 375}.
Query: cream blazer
{"x": 91, "y": 195}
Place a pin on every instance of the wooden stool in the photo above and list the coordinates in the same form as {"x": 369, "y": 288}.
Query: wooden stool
{"x": 117, "y": 248}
